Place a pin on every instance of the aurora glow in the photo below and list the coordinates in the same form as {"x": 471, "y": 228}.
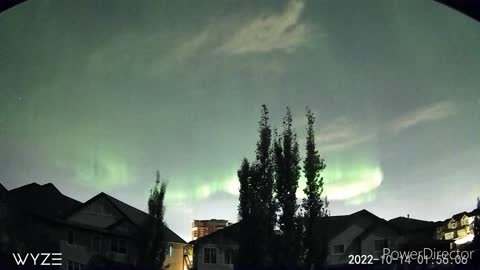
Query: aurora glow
{"x": 97, "y": 95}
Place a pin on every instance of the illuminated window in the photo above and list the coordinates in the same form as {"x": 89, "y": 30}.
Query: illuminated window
{"x": 449, "y": 235}
{"x": 338, "y": 249}
{"x": 452, "y": 224}
{"x": 170, "y": 251}
{"x": 210, "y": 255}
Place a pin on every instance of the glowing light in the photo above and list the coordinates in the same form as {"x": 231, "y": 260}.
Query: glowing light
{"x": 233, "y": 186}
{"x": 464, "y": 240}
{"x": 353, "y": 185}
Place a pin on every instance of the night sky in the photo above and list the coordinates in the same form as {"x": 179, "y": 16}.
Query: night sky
{"x": 97, "y": 95}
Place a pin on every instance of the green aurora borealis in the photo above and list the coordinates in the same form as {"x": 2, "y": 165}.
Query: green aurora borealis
{"x": 97, "y": 95}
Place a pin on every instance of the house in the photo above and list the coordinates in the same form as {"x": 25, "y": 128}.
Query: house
{"x": 107, "y": 226}
{"x": 361, "y": 233}
{"x": 418, "y": 234}
{"x": 201, "y": 228}
{"x": 4, "y": 237}
{"x": 217, "y": 250}
{"x": 458, "y": 228}
{"x": 101, "y": 231}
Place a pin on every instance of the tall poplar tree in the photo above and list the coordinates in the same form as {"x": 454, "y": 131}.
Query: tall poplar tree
{"x": 287, "y": 174}
{"x": 257, "y": 193}
{"x": 313, "y": 204}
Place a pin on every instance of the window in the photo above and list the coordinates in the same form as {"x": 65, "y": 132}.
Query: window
{"x": 119, "y": 245}
{"x": 3, "y": 210}
{"x": 379, "y": 245}
{"x": 465, "y": 221}
{"x": 452, "y": 224}
{"x": 71, "y": 265}
{"x": 170, "y": 251}
{"x": 338, "y": 249}
{"x": 228, "y": 256}
{"x": 70, "y": 237}
{"x": 449, "y": 235}
{"x": 96, "y": 243}
{"x": 210, "y": 255}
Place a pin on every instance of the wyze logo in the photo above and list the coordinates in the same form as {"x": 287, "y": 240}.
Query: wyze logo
{"x": 44, "y": 259}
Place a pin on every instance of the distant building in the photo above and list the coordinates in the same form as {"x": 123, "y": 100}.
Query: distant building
{"x": 458, "y": 228}
{"x": 217, "y": 250}
{"x": 201, "y": 228}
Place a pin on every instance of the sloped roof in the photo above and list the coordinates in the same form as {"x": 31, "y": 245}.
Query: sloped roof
{"x": 41, "y": 200}
{"x": 331, "y": 226}
{"x": 470, "y": 8}
{"x": 2, "y": 188}
{"x": 474, "y": 212}
{"x": 459, "y": 215}
{"x": 231, "y": 232}
{"x": 134, "y": 215}
{"x": 411, "y": 224}
{"x": 48, "y": 202}
{"x": 3, "y": 192}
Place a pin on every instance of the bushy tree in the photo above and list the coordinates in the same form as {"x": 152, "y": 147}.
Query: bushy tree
{"x": 313, "y": 204}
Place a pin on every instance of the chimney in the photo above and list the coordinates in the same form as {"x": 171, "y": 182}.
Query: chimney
{"x": 408, "y": 215}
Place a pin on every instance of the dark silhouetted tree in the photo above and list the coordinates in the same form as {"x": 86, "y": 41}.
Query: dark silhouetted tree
{"x": 153, "y": 244}
{"x": 257, "y": 208}
{"x": 313, "y": 204}
{"x": 245, "y": 192}
{"x": 246, "y": 198}
{"x": 476, "y": 227}
{"x": 287, "y": 173}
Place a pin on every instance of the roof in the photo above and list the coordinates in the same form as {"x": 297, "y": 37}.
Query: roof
{"x": 230, "y": 232}
{"x": 475, "y": 212}
{"x": 2, "y": 188}
{"x": 411, "y": 224}
{"x": 459, "y": 215}
{"x": 41, "y": 200}
{"x": 467, "y": 7}
{"x": 331, "y": 226}
{"x": 210, "y": 220}
{"x": 48, "y": 202}
{"x": 3, "y": 192}
{"x": 132, "y": 214}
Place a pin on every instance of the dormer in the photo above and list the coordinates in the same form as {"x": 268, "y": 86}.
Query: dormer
{"x": 452, "y": 224}
{"x": 465, "y": 221}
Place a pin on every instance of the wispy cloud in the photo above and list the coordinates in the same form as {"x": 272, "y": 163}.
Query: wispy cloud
{"x": 267, "y": 33}
{"x": 432, "y": 112}
{"x": 340, "y": 134}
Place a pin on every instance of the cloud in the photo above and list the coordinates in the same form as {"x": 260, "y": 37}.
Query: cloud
{"x": 268, "y": 33}
{"x": 340, "y": 134}
{"x": 432, "y": 112}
